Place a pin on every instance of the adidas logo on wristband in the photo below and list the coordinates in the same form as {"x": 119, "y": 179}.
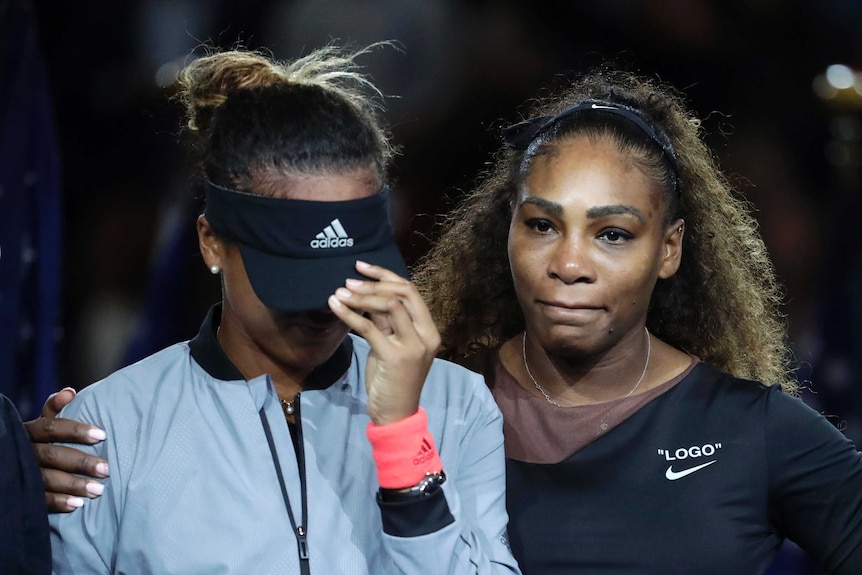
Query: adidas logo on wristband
{"x": 426, "y": 452}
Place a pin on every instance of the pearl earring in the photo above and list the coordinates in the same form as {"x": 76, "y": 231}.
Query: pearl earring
{"x": 215, "y": 270}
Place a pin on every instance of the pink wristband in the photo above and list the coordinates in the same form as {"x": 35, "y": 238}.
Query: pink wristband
{"x": 404, "y": 451}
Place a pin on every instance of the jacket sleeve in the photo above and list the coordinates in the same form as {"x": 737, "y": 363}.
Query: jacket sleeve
{"x": 83, "y": 541}
{"x": 815, "y": 483}
{"x": 24, "y": 542}
{"x": 461, "y": 530}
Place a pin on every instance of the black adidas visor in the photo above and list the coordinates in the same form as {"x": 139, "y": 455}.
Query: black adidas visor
{"x": 298, "y": 252}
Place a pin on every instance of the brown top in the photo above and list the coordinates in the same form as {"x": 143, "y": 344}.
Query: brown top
{"x": 545, "y": 433}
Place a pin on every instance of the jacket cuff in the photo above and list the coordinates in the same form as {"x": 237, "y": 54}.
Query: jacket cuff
{"x": 415, "y": 516}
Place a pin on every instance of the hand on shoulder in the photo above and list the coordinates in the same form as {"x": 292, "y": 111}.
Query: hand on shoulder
{"x": 61, "y": 467}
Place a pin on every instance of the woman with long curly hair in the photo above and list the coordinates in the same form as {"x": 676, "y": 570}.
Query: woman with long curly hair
{"x": 618, "y": 298}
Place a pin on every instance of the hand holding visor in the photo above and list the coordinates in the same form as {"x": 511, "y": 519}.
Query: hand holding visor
{"x": 298, "y": 252}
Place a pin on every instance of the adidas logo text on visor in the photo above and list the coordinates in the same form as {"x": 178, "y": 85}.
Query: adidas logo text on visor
{"x": 332, "y": 236}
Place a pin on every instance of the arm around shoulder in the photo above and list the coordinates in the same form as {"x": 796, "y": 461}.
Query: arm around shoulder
{"x": 84, "y": 541}
{"x": 65, "y": 470}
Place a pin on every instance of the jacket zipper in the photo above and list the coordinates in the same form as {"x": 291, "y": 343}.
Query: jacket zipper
{"x": 301, "y": 530}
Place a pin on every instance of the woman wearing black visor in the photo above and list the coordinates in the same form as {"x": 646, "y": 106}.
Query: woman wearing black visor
{"x": 273, "y": 441}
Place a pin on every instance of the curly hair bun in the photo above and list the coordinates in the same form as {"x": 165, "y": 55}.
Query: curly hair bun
{"x": 206, "y": 82}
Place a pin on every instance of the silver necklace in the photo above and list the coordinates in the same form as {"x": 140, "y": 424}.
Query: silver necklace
{"x": 548, "y": 397}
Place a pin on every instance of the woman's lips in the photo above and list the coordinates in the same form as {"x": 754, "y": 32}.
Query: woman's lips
{"x": 568, "y": 311}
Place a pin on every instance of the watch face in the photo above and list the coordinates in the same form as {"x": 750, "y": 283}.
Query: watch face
{"x": 426, "y": 486}
{"x": 430, "y": 483}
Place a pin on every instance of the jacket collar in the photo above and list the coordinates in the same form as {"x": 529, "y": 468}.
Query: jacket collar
{"x": 207, "y": 352}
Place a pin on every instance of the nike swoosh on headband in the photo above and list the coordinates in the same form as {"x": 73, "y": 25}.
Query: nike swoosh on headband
{"x": 520, "y": 136}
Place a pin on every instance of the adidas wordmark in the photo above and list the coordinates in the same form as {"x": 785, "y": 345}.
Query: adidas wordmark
{"x": 332, "y": 236}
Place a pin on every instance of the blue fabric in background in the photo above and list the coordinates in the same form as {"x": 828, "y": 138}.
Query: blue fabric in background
{"x": 164, "y": 305}
{"x": 29, "y": 216}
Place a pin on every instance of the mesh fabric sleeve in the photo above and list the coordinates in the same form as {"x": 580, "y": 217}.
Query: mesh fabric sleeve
{"x": 815, "y": 482}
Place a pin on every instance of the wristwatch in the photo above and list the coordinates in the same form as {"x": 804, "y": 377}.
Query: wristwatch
{"x": 426, "y": 487}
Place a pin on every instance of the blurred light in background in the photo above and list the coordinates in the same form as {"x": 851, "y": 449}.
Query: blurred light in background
{"x": 839, "y": 85}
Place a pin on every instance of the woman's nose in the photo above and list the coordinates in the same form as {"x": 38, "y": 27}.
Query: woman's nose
{"x": 571, "y": 262}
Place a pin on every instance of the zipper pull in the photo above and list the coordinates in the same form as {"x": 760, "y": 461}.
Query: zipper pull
{"x": 302, "y": 538}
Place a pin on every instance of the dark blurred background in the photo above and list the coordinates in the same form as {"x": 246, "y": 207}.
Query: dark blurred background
{"x": 111, "y": 241}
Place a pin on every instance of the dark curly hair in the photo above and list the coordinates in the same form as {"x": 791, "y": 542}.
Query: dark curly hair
{"x": 723, "y": 303}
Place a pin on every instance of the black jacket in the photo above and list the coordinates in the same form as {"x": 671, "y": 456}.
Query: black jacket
{"x": 25, "y": 545}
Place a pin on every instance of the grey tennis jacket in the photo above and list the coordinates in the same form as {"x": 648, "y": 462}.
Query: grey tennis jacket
{"x": 205, "y": 478}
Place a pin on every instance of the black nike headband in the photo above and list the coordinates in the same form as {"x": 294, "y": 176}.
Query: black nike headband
{"x": 520, "y": 136}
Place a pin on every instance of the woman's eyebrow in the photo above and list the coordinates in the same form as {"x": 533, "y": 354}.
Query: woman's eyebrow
{"x": 618, "y": 209}
{"x": 597, "y": 212}
{"x": 552, "y": 207}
